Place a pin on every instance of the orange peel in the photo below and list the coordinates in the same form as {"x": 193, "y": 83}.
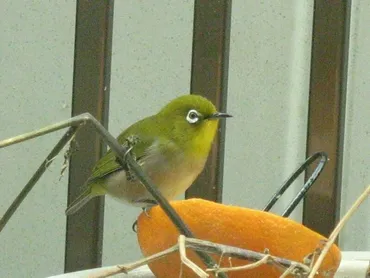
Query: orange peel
{"x": 230, "y": 225}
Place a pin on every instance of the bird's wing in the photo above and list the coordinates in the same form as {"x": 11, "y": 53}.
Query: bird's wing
{"x": 108, "y": 163}
{"x": 143, "y": 132}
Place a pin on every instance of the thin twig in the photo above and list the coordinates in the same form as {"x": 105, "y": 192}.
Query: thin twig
{"x": 197, "y": 244}
{"x": 67, "y": 155}
{"x": 262, "y": 261}
{"x": 290, "y": 271}
{"x": 240, "y": 253}
{"x": 36, "y": 176}
{"x": 125, "y": 268}
{"x": 75, "y": 121}
{"x": 185, "y": 260}
{"x": 337, "y": 229}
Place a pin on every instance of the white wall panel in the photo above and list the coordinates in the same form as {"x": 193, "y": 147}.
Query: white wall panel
{"x": 268, "y": 96}
{"x": 151, "y": 62}
{"x": 356, "y": 165}
{"x": 36, "y": 70}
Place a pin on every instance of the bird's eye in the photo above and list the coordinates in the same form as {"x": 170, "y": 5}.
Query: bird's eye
{"x": 192, "y": 117}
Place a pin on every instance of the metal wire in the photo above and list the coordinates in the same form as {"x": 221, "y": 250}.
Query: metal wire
{"x": 311, "y": 180}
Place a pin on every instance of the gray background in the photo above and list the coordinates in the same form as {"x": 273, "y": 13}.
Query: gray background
{"x": 268, "y": 93}
{"x": 36, "y": 66}
{"x": 356, "y": 171}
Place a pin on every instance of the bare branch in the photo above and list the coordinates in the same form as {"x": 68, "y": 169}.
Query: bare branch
{"x": 125, "y": 268}
{"x": 230, "y": 251}
{"x": 186, "y": 261}
{"x": 39, "y": 172}
{"x": 337, "y": 229}
{"x": 264, "y": 260}
{"x": 289, "y": 267}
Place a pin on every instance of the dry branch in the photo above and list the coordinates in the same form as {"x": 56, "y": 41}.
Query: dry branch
{"x": 210, "y": 247}
{"x": 337, "y": 229}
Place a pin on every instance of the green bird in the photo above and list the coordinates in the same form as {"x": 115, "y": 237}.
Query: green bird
{"x": 171, "y": 146}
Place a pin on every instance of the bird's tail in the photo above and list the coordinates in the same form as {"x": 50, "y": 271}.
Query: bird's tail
{"x": 80, "y": 201}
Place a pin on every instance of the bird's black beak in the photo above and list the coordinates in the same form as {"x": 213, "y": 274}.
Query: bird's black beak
{"x": 218, "y": 115}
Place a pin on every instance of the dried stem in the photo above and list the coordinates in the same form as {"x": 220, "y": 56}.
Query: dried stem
{"x": 252, "y": 256}
{"x": 264, "y": 260}
{"x": 289, "y": 271}
{"x": 39, "y": 172}
{"x": 337, "y": 229}
{"x": 185, "y": 260}
{"x": 258, "y": 258}
{"x": 131, "y": 266}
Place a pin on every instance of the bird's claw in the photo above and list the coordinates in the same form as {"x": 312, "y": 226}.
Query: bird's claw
{"x": 130, "y": 142}
{"x": 134, "y": 227}
{"x": 145, "y": 210}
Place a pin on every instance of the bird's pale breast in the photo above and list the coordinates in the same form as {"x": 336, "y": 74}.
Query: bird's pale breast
{"x": 172, "y": 176}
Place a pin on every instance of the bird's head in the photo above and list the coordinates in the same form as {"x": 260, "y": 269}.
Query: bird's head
{"x": 192, "y": 120}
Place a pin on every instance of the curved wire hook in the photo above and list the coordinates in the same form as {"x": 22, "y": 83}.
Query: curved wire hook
{"x": 293, "y": 204}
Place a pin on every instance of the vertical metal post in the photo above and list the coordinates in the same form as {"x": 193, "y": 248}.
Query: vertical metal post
{"x": 91, "y": 81}
{"x": 209, "y": 76}
{"x": 326, "y": 109}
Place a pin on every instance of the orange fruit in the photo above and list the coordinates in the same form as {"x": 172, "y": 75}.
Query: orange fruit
{"x": 230, "y": 225}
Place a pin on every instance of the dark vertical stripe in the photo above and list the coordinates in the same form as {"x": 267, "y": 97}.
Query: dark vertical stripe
{"x": 326, "y": 110}
{"x": 91, "y": 81}
{"x": 209, "y": 76}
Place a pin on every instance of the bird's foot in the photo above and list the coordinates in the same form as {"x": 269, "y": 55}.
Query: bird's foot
{"x": 148, "y": 205}
{"x": 145, "y": 210}
{"x": 134, "y": 227}
{"x": 129, "y": 143}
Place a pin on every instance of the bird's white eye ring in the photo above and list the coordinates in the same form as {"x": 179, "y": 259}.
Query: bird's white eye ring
{"x": 193, "y": 116}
